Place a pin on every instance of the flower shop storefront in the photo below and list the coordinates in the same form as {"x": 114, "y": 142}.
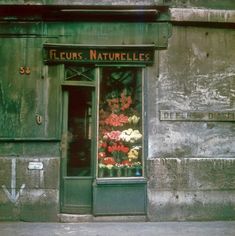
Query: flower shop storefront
{"x": 103, "y": 145}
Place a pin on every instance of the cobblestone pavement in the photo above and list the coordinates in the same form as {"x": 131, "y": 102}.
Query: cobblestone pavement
{"x": 226, "y": 228}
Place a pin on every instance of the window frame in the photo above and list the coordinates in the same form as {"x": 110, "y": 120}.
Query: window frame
{"x": 144, "y": 141}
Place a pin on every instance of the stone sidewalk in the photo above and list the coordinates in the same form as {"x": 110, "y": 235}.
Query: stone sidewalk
{"x": 219, "y": 228}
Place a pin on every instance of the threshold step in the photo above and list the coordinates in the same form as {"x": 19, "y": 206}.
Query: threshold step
{"x": 74, "y": 218}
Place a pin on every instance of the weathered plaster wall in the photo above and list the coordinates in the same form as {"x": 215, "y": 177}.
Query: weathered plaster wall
{"x": 196, "y": 73}
{"x": 84, "y": 2}
{"x": 215, "y": 4}
{"x": 191, "y": 164}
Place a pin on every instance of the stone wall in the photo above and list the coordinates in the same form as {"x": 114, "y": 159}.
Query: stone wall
{"x": 214, "y": 4}
{"x": 191, "y": 163}
{"x": 29, "y": 194}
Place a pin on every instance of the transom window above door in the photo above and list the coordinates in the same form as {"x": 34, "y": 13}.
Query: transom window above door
{"x": 80, "y": 73}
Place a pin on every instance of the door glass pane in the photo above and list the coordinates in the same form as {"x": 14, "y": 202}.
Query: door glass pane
{"x": 120, "y": 123}
{"x": 80, "y": 131}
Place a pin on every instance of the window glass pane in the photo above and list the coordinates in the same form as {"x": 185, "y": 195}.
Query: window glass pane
{"x": 74, "y": 73}
{"x": 79, "y": 127}
{"x": 120, "y": 123}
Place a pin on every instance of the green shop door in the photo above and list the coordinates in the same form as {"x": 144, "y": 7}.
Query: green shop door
{"x": 77, "y": 148}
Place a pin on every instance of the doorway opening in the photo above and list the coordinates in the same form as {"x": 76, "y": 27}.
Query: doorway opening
{"x": 77, "y": 164}
{"x": 79, "y": 131}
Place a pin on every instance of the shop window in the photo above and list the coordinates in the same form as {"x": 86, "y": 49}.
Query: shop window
{"x": 120, "y": 123}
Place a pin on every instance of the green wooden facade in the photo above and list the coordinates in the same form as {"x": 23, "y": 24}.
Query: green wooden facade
{"x": 34, "y": 107}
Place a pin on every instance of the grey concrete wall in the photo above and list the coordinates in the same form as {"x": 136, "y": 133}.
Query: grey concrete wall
{"x": 206, "y": 4}
{"x": 29, "y": 194}
{"x": 191, "y": 164}
{"x": 84, "y": 2}
{"x": 215, "y": 4}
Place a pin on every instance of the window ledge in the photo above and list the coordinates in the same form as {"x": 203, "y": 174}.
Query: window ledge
{"x": 128, "y": 180}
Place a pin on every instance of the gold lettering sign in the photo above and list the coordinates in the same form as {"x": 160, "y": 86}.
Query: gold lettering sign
{"x": 96, "y": 54}
{"x": 168, "y": 115}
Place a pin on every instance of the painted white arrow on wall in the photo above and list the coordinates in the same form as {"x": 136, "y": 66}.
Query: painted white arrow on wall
{"x": 13, "y": 195}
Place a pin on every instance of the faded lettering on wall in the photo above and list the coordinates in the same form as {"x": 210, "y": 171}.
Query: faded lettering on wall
{"x": 168, "y": 115}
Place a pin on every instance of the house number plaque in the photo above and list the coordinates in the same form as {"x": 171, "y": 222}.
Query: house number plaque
{"x": 25, "y": 70}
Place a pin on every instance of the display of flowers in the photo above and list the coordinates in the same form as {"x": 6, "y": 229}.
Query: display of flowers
{"x": 130, "y": 135}
{"x": 133, "y": 119}
{"x": 120, "y": 136}
{"x": 125, "y": 101}
{"x": 113, "y": 135}
{"x": 109, "y": 161}
{"x": 118, "y": 103}
{"x": 116, "y": 120}
{"x": 133, "y": 154}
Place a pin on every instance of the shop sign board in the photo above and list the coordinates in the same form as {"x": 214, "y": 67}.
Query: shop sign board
{"x": 119, "y": 54}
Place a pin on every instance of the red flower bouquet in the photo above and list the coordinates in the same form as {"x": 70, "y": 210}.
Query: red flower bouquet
{"x": 118, "y": 148}
{"x": 116, "y": 120}
{"x": 108, "y": 161}
{"x": 125, "y": 102}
